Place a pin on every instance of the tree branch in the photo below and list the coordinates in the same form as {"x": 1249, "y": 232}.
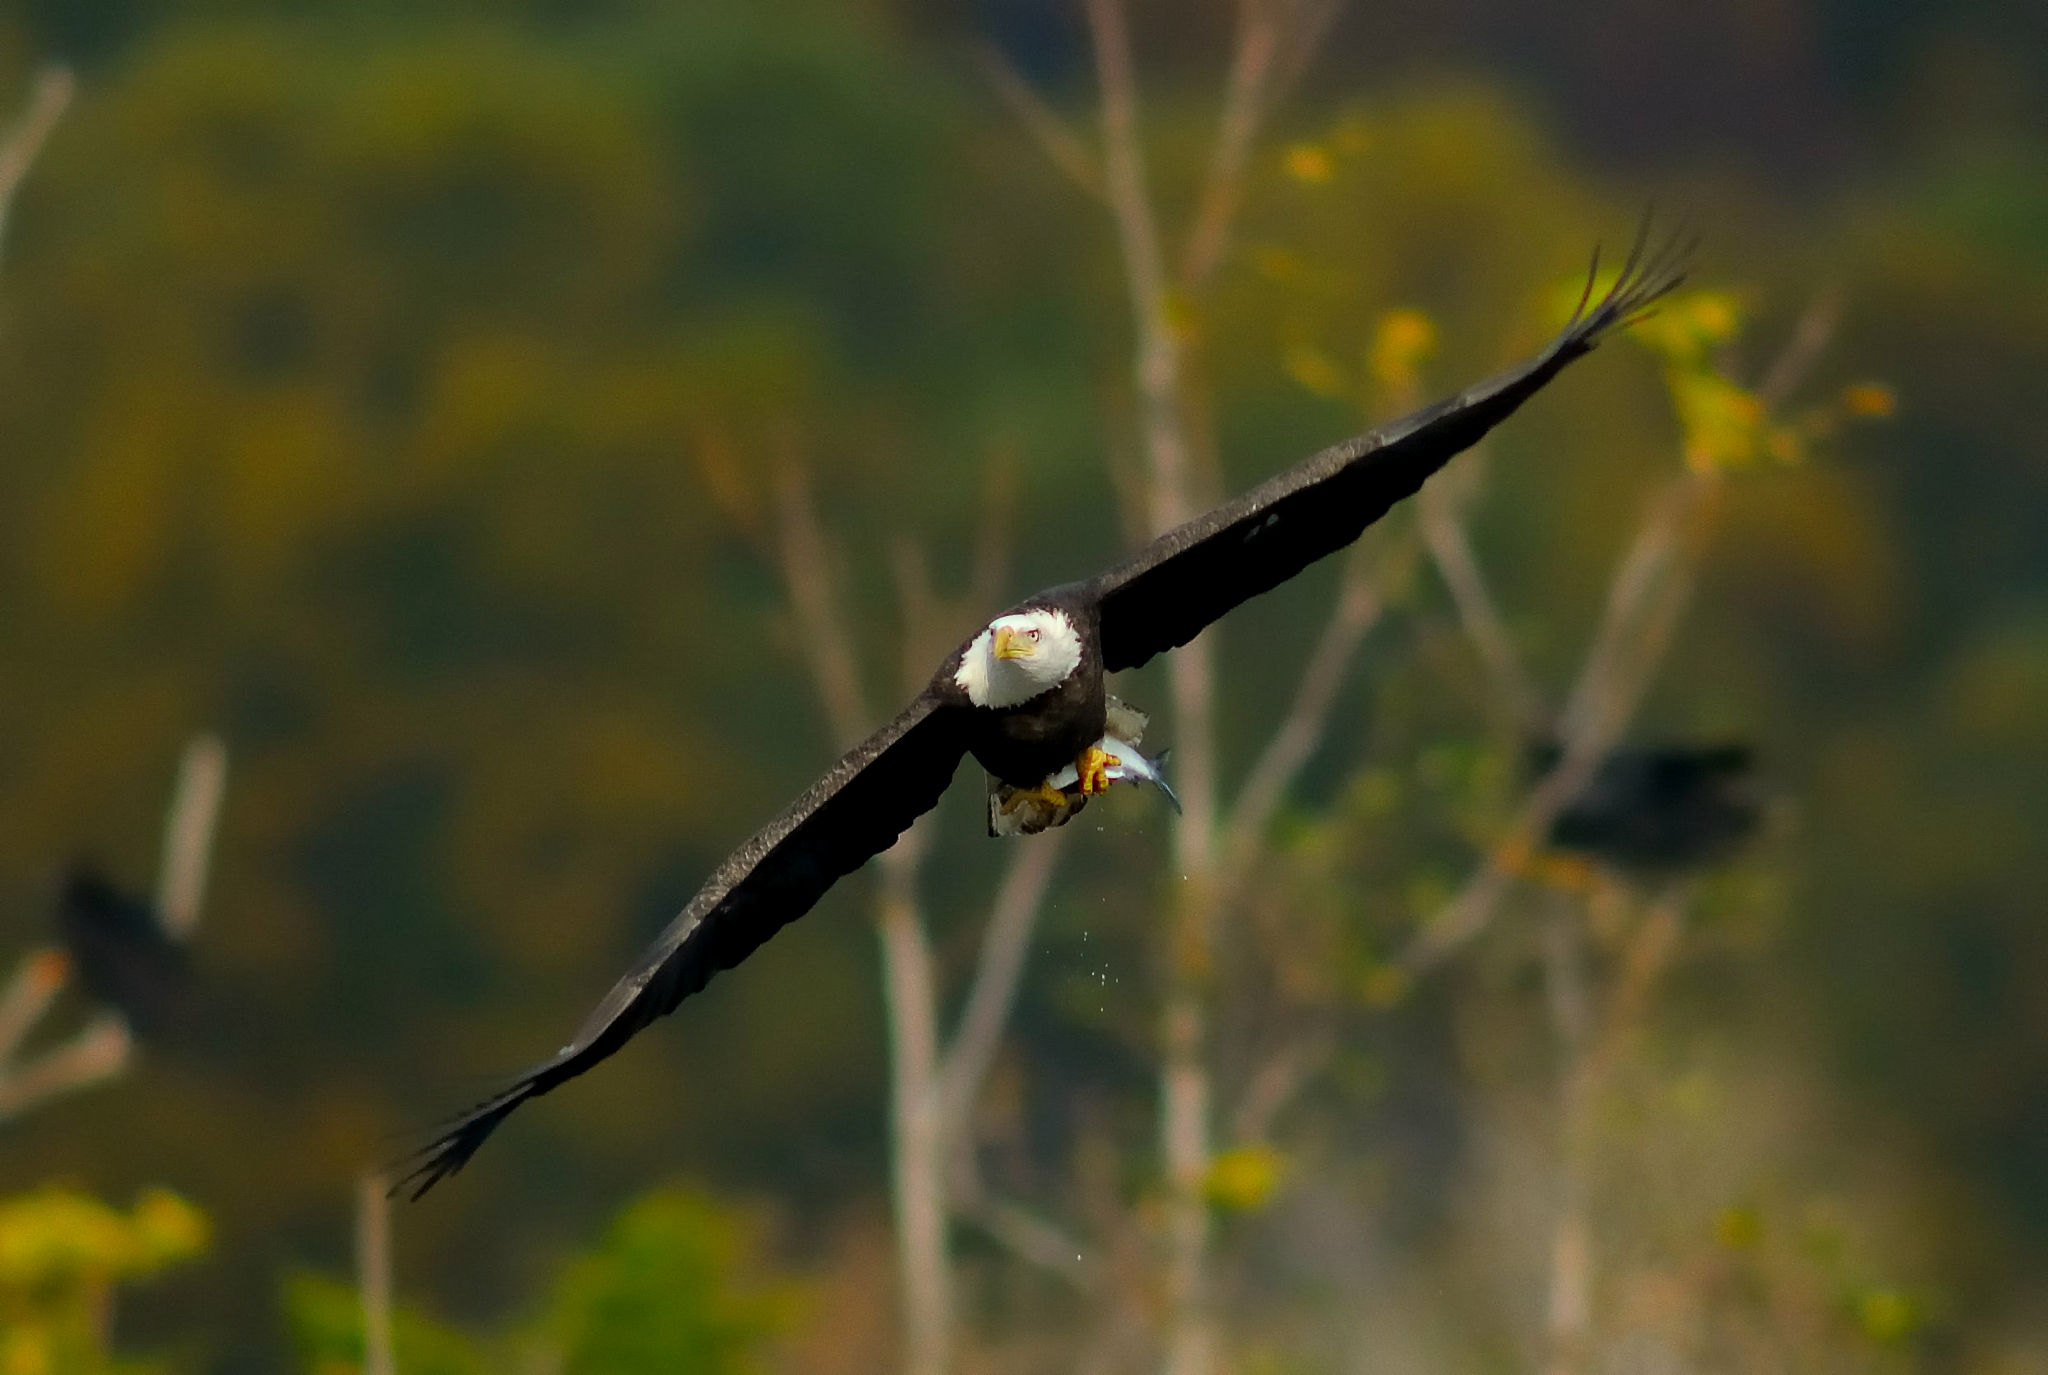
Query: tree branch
{"x": 53, "y": 91}
{"x": 1311, "y": 24}
{"x": 37, "y": 981}
{"x": 821, "y": 628}
{"x": 916, "y": 1158}
{"x": 1005, "y": 943}
{"x": 373, "y": 1271}
{"x": 1020, "y": 1231}
{"x": 98, "y": 1052}
{"x": 189, "y": 825}
{"x": 1649, "y": 953}
{"x": 1440, "y": 519}
{"x": 1130, "y": 202}
{"x": 1184, "y": 1130}
{"x": 1645, "y": 600}
{"x": 1059, "y": 143}
{"x": 995, "y": 541}
{"x": 1360, "y": 601}
{"x": 1810, "y": 339}
{"x": 1275, "y": 1083}
{"x": 1259, "y": 29}
{"x": 1590, "y": 1040}
{"x": 1615, "y": 672}
{"x": 1568, "y": 1326}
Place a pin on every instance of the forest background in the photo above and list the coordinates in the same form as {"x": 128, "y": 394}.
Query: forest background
{"x": 480, "y": 415}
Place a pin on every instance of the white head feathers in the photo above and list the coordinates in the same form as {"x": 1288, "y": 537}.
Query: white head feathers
{"x": 1018, "y": 657}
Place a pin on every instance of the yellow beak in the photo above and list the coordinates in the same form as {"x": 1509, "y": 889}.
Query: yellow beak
{"x": 1010, "y": 645}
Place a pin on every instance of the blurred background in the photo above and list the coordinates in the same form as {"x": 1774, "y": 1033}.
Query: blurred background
{"x": 532, "y": 437}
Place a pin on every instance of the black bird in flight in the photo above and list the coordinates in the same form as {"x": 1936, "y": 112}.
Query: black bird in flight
{"x": 1025, "y": 695}
{"x": 1657, "y": 811}
{"x": 121, "y": 952}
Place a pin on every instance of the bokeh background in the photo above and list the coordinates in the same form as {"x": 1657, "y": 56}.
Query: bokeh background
{"x": 411, "y": 394}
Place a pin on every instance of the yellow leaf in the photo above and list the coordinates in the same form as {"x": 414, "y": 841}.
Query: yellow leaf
{"x": 1886, "y": 1315}
{"x": 1785, "y": 445}
{"x": 1277, "y": 264}
{"x": 1720, "y": 419}
{"x": 168, "y": 1228}
{"x": 1738, "y": 1228}
{"x": 1384, "y": 986}
{"x": 1404, "y": 341}
{"x": 1869, "y": 400}
{"x": 54, "y": 1237}
{"x": 1309, "y": 163}
{"x": 1180, "y": 317}
{"x": 1245, "y": 1178}
{"x": 1351, "y": 136}
{"x": 1314, "y": 370}
{"x": 1687, "y": 328}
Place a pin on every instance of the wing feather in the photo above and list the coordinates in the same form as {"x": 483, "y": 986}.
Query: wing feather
{"x": 853, "y": 813}
{"x": 1166, "y": 593}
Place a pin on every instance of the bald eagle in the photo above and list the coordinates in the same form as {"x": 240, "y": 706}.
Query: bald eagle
{"x": 1025, "y": 696}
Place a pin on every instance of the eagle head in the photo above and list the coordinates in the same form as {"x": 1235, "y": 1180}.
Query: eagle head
{"x": 1018, "y": 656}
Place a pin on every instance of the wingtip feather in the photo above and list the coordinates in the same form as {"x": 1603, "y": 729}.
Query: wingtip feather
{"x": 458, "y": 1139}
{"x": 1652, "y": 269}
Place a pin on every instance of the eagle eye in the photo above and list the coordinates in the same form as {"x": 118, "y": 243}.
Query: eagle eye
{"x": 1033, "y": 633}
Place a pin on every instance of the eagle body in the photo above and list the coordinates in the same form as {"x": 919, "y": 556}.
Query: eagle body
{"x": 1027, "y": 697}
{"x": 1024, "y": 743}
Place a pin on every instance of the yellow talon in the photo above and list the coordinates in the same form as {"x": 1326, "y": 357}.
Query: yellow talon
{"x": 1045, "y": 792}
{"x": 1093, "y": 766}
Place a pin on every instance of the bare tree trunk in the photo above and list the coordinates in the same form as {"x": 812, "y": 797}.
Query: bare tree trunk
{"x": 1568, "y": 1325}
{"x": 18, "y": 151}
{"x": 917, "y": 1134}
{"x": 373, "y": 1272}
{"x": 1157, "y": 366}
{"x": 933, "y": 1086}
{"x": 1272, "y": 35}
{"x": 188, "y": 834}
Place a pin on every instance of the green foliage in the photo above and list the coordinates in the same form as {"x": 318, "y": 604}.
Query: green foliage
{"x": 63, "y": 1255}
{"x": 326, "y": 1320}
{"x": 1726, "y": 424}
{"x": 659, "y": 1294}
{"x": 670, "y": 1288}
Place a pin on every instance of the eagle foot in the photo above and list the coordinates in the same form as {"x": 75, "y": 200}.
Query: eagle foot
{"x": 1045, "y": 792}
{"x": 1093, "y": 767}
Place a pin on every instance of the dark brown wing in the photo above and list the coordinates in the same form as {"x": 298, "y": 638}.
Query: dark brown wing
{"x": 1163, "y": 596}
{"x": 853, "y": 813}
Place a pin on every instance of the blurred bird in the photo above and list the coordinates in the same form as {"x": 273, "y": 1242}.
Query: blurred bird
{"x": 1026, "y": 696}
{"x": 120, "y": 952}
{"x": 1660, "y": 810}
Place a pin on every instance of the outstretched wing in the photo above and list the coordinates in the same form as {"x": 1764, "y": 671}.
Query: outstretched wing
{"x": 1163, "y": 596}
{"x": 850, "y": 815}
